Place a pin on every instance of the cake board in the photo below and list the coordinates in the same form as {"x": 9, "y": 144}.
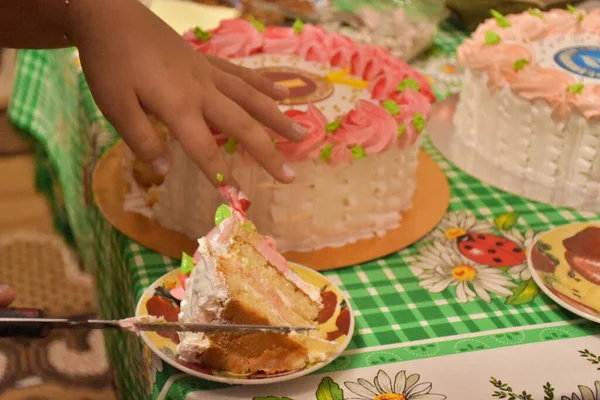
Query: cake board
{"x": 430, "y": 203}
{"x": 442, "y": 134}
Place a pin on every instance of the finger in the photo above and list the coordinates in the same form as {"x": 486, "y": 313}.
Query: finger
{"x": 259, "y": 106}
{"x": 7, "y": 295}
{"x": 198, "y": 143}
{"x": 228, "y": 117}
{"x": 137, "y": 131}
{"x": 251, "y": 77}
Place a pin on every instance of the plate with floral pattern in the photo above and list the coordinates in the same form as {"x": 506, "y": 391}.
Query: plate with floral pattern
{"x": 160, "y": 300}
{"x": 565, "y": 263}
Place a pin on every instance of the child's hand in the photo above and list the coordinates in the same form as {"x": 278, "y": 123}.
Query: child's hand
{"x": 136, "y": 64}
{"x": 7, "y": 296}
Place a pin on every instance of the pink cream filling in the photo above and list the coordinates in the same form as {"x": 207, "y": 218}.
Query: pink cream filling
{"x": 239, "y": 38}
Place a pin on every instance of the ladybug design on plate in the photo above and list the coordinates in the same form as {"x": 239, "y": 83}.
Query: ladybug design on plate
{"x": 486, "y": 248}
{"x": 492, "y": 250}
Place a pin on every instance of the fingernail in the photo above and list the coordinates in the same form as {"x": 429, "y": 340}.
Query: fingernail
{"x": 161, "y": 165}
{"x": 288, "y": 171}
{"x": 300, "y": 130}
{"x": 281, "y": 89}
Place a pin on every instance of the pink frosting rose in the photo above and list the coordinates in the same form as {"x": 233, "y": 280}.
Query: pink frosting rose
{"x": 497, "y": 60}
{"x": 589, "y": 101}
{"x": 342, "y": 50}
{"x": 547, "y": 84}
{"x": 315, "y": 44}
{"x": 313, "y": 120}
{"x": 233, "y": 38}
{"x": 279, "y": 40}
{"x": 386, "y": 83}
{"x": 409, "y": 135}
{"x": 591, "y": 22}
{"x": 562, "y": 22}
{"x": 512, "y": 33}
{"x": 532, "y": 27}
{"x": 370, "y": 126}
{"x": 340, "y": 153}
{"x": 411, "y": 102}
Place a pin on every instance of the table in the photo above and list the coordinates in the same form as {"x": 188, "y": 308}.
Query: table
{"x": 415, "y": 338}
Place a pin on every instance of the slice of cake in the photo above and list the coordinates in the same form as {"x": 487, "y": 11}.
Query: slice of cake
{"x": 240, "y": 278}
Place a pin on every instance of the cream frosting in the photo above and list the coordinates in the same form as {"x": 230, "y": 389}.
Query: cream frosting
{"x": 502, "y": 47}
{"x": 238, "y": 38}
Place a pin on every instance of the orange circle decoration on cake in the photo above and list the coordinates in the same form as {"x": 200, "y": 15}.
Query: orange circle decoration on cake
{"x": 336, "y": 320}
{"x": 305, "y": 87}
{"x": 565, "y": 264}
{"x": 431, "y": 200}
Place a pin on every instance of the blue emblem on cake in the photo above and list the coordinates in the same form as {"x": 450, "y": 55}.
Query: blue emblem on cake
{"x": 583, "y": 61}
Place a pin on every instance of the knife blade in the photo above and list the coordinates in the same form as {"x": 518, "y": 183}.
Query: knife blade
{"x": 30, "y": 323}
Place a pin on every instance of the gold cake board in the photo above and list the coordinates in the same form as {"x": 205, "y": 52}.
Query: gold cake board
{"x": 430, "y": 203}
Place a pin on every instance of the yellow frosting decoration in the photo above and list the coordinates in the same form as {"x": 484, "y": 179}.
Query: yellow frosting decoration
{"x": 342, "y": 77}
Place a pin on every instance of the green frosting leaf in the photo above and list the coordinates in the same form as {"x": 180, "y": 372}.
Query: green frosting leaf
{"x": 506, "y": 221}
{"x": 391, "y": 106}
{"x": 231, "y": 146}
{"x": 419, "y": 122}
{"x": 187, "y": 264}
{"x": 358, "y": 152}
{"x": 219, "y": 177}
{"x": 332, "y": 126}
{"x": 500, "y": 19}
{"x": 408, "y": 83}
{"x": 326, "y": 152}
{"x": 492, "y": 37}
{"x": 257, "y": 24}
{"x": 535, "y": 13}
{"x": 524, "y": 293}
{"x": 201, "y": 35}
{"x": 571, "y": 8}
{"x": 298, "y": 26}
{"x": 520, "y": 64}
{"x": 329, "y": 390}
{"x": 576, "y": 88}
{"x": 223, "y": 212}
{"x": 401, "y": 129}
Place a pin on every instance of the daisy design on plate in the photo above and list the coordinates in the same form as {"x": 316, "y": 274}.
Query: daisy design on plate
{"x": 443, "y": 71}
{"x": 586, "y": 393}
{"x": 402, "y": 388}
{"x": 440, "y": 266}
{"x": 458, "y": 224}
{"x": 153, "y": 366}
{"x": 524, "y": 241}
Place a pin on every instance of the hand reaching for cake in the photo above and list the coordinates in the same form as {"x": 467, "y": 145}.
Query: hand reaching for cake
{"x": 136, "y": 65}
{"x": 7, "y": 296}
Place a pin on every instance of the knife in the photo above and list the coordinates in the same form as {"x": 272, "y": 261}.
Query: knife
{"x": 30, "y": 323}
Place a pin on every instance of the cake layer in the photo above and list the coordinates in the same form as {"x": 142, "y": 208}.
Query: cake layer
{"x": 325, "y": 205}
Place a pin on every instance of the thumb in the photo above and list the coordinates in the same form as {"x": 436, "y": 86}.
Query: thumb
{"x": 134, "y": 126}
{"x": 7, "y": 295}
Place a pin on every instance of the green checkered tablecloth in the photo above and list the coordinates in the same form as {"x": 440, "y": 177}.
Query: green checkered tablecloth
{"x": 418, "y": 335}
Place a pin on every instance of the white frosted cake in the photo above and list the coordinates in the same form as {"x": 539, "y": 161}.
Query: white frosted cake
{"x": 528, "y": 118}
{"x": 355, "y": 172}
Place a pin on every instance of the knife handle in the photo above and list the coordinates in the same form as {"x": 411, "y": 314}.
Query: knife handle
{"x": 22, "y": 330}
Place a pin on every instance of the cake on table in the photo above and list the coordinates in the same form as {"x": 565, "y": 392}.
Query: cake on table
{"x": 356, "y": 171}
{"x": 239, "y": 278}
{"x": 528, "y": 118}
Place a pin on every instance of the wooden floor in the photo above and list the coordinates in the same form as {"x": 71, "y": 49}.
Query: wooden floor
{"x": 21, "y": 208}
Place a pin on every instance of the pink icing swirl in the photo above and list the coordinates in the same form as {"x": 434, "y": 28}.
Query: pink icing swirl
{"x": 497, "y": 60}
{"x": 315, "y": 44}
{"x": 340, "y": 154}
{"x": 279, "y": 40}
{"x": 233, "y": 38}
{"x": 386, "y": 84}
{"x": 589, "y": 101}
{"x": 342, "y": 50}
{"x": 547, "y": 84}
{"x": 370, "y": 126}
{"x": 562, "y": 22}
{"x": 411, "y": 102}
{"x": 409, "y": 135}
{"x": 591, "y": 22}
{"x": 313, "y": 120}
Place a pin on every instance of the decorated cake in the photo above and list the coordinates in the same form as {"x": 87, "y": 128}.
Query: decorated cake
{"x": 356, "y": 171}
{"x": 239, "y": 278}
{"x": 528, "y": 118}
